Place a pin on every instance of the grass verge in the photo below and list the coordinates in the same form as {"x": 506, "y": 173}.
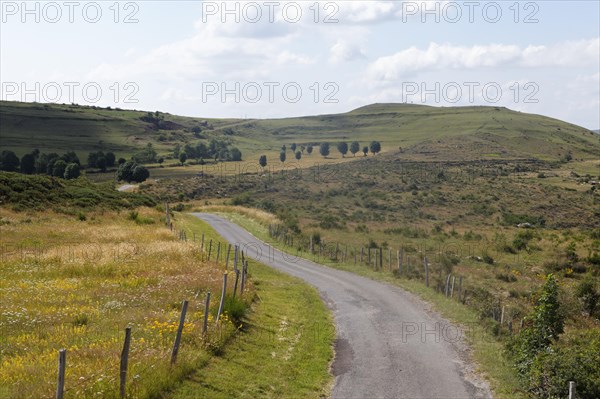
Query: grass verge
{"x": 284, "y": 349}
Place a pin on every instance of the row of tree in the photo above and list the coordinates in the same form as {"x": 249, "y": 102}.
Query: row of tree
{"x": 324, "y": 150}
{"x": 68, "y": 165}
{"x": 216, "y": 149}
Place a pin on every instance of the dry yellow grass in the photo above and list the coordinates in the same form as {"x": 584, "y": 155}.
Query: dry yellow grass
{"x": 76, "y": 284}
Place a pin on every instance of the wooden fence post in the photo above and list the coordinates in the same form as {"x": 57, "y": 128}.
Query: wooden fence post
{"x": 452, "y": 288}
{"x": 426, "y": 271}
{"x": 209, "y": 249}
{"x": 369, "y": 256}
{"x": 206, "y": 309}
{"x": 361, "y": 254}
{"x": 202, "y": 244}
{"x": 218, "y": 251}
{"x": 354, "y": 249}
{"x": 237, "y": 277}
{"x": 167, "y": 215}
{"x": 223, "y": 292}
{"x": 459, "y": 287}
{"x": 447, "y": 284}
{"x": 235, "y": 256}
{"x": 390, "y": 259}
{"x": 502, "y": 316}
{"x": 381, "y": 259}
{"x": 227, "y": 260}
{"x": 572, "y": 392}
{"x": 346, "y": 253}
{"x": 179, "y": 332}
{"x": 62, "y": 365}
{"x": 124, "y": 363}
{"x": 244, "y": 276}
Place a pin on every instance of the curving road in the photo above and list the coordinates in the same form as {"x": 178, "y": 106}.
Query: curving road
{"x": 389, "y": 345}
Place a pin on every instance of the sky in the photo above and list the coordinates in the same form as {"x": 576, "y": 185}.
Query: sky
{"x": 272, "y": 59}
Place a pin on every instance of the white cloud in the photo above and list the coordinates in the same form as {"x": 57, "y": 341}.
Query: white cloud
{"x": 446, "y": 56}
{"x": 343, "y": 51}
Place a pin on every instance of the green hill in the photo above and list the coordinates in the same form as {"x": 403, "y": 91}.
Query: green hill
{"x": 421, "y": 131}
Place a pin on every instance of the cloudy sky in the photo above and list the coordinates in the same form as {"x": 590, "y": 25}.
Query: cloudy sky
{"x": 260, "y": 59}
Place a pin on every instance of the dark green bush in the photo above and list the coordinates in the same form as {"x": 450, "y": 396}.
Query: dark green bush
{"x": 576, "y": 360}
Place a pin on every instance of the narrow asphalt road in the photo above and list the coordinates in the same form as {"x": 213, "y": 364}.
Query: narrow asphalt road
{"x": 389, "y": 345}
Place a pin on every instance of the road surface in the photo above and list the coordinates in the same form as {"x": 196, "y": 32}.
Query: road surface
{"x": 389, "y": 344}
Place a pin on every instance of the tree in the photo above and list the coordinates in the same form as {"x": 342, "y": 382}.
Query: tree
{"x": 293, "y": 147}
{"x": 9, "y": 161}
{"x": 139, "y": 174}
{"x": 110, "y": 159}
{"x": 282, "y": 156}
{"x": 365, "y": 150}
{"x": 354, "y": 147}
{"x": 309, "y": 149}
{"x": 176, "y": 150}
{"x": 160, "y": 160}
{"x": 298, "y": 155}
{"x": 375, "y": 147}
{"x": 71, "y": 157}
{"x": 27, "y": 164}
{"x": 343, "y": 148}
{"x": 262, "y": 161}
{"x": 59, "y": 167}
{"x": 235, "y": 154}
{"x": 283, "y": 148}
{"x": 72, "y": 171}
{"x": 124, "y": 171}
{"x": 92, "y": 159}
{"x": 324, "y": 149}
{"x": 132, "y": 171}
{"x": 182, "y": 158}
{"x": 101, "y": 164}
{"x": 121, "y": 161}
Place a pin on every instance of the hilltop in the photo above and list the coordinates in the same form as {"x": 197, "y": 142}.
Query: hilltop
{"x": 419, "y": 131}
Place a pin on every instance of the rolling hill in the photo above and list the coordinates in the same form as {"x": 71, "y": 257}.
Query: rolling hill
{"x": 420, "y": 131}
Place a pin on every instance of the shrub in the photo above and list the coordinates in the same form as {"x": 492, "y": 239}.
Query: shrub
{"x": 574, "y": 360}
{"x": 547, "y": 322}
{"x": 521, "y": 239}
{"x": 587, "y": 292}
{"x": 507, "y": 277}
{"x": 488, "y": 259}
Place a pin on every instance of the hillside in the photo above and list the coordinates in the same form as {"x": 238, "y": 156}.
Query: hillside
{"x": 421, "y": 131}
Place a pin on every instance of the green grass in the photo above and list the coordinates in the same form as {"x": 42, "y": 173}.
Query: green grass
{"x": 284, "y": 349}
{"x": 421, "y": 131}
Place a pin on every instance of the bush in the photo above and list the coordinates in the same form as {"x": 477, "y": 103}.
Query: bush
{"x": 587, "y": 292}
{"x": 547, "y": 322}
{"x": 521, "y": 239}
{"x": 574, "y": 360}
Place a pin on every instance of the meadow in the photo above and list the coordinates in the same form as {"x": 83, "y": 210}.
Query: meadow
{"x": 76, "y": 282}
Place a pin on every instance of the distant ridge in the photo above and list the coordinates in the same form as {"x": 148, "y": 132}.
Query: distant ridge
{"x": 418, "y": 131}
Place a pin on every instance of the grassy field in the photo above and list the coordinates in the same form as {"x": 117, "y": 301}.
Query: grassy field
{"x": 416, "y": 131}
{"x": 77, "y": 282}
